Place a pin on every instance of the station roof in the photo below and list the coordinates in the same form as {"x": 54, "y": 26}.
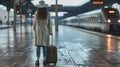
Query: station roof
{"x": 28, "y": 7}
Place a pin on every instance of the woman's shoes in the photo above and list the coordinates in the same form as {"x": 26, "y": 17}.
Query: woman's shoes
{"x": 44, "y": 63}
{"x": 37, "y": 63}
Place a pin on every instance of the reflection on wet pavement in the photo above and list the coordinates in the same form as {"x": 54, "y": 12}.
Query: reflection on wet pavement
{"x": 76, "y": 48}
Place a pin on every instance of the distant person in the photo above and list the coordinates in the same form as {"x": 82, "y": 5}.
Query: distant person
{"x": 42, "y": 29}
{"x": 0, "y": 22}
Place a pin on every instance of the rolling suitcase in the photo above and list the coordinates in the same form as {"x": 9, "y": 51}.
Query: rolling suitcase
{"x": 51, "y": 54}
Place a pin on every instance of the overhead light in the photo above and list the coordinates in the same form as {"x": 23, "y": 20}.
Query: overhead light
{"x": 97, "y": 2}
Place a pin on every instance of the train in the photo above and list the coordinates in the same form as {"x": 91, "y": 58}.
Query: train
{"x": 103, "y": 20}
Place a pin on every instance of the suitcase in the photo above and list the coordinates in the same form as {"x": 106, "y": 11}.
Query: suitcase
{"x": 51, "y": 54}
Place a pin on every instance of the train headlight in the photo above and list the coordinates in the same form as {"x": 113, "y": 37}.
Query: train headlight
{"x": 108, "y": 20}
{"x": 118, "y": 21}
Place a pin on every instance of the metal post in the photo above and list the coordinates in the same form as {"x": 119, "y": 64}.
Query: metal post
{"x": 14, "y": 29}
{"x": 8, "y": 21}
{"x": 20, "y": 18}
{"x": 56, "y": 18}
{"x": 31, "y": 19}
{"x": 20, "y": 10}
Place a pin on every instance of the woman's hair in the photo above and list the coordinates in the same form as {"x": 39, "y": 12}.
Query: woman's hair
{"x": 42, "y": 13}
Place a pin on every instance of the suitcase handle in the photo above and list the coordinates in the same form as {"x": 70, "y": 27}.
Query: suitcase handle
{"x": 51, "y": 39}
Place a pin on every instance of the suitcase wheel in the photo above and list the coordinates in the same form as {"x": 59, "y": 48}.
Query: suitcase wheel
{"x": 47, "y": 63}
{"x": 53, "y": 63}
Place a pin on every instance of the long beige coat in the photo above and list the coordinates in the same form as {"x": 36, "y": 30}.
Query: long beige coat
{"x": 42, "y": 30}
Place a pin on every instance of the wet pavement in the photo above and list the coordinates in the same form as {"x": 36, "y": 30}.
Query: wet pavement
{"x": 5, "y": 26}
{"x": 76, "y": 48}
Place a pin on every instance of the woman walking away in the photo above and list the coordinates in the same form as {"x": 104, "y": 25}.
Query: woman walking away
{"x": 42, "y": 29}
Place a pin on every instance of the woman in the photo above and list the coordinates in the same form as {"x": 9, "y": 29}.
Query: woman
{"x": 42, "y": 28}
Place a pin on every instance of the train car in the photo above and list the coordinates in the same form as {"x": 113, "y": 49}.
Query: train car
{"x": 71, "y": 21}
{"x": 110, "y": 15}
{"x": 104, "y": 20}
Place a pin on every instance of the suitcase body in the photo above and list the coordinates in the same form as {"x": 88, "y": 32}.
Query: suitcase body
{"x": 51, "y": 54}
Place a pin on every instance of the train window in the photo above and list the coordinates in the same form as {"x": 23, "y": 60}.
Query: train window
{"x": 110, "y": 13}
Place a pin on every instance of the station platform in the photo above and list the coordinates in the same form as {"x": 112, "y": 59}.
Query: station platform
{"x": 76, "y": 48}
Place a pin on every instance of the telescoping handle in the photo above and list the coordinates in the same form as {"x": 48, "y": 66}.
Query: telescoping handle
{"x": 52, "y": 39}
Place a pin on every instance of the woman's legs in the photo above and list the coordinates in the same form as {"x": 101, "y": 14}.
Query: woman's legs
{"x": 37, "y": 55}
{"x": 44, "y": 52}
{"x": 38, "y": 52}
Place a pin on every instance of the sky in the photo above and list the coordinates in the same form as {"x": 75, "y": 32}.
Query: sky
{"x": 63, "y": 2}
